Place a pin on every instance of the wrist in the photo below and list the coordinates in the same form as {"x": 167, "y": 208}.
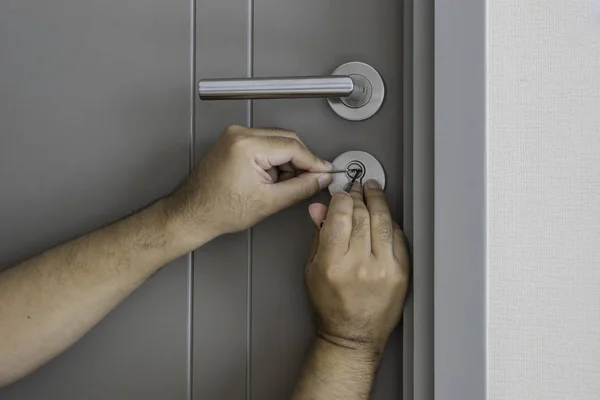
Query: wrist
{"x": 186, "y": 232}
{"x": 366, "y": 353}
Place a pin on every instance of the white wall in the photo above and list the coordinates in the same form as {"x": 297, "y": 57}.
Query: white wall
{"x": 543, "y": 199}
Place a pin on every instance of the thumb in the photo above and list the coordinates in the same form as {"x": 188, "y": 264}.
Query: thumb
{"x": 315, "y": 245}
{"x": 292, "y": 191}
{"x": 317, "y": 212}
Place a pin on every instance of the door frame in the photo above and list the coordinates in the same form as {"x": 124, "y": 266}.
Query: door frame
{"x": 460, "y": 199}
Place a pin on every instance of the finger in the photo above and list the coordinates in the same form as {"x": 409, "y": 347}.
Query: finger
{"x": 278, "y": 150}
{"x": 287, "y": 172}
{"x": 278, "y": 132}
{"x": 360, "y": 238}
{"x": 382, "y": 232}
{"x": 401, "y": 251}
{"x": 287, "y": 193}
{"x": 317, "y": 213}
{"x": 274, "y": 174}
{"x": 336, "y": 231}
{"x": 287, "y": 167}
{"x": 284, "y": 176}
{"x": 314, "y": 245}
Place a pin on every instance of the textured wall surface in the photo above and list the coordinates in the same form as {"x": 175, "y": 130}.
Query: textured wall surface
{"x": 544, "y": 199}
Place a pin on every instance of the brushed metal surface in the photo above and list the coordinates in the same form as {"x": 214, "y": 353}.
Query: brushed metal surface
{"x": 297, "y": 87}
{"x": 367, "y": 96}
{"x": 355, "y": 90}
{"x": 369, "y": 166}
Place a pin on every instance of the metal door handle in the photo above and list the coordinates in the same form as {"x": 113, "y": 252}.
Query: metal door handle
{"x": 275, "y": 88}
{"x": 355, "y": 90}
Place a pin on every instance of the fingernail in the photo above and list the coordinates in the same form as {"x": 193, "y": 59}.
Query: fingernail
{"x": 328, "y": 165}
{"x": 373, "y": 184}
{"x": 324, "y": 180}
{"x": 356, "y": 187}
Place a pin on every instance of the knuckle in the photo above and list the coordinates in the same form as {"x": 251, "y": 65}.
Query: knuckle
{"x": 359, "y": 204}
{"x": 233, "y": 129}
{"x": 398, "y": 233}
{"x": 382, "y": 216}
{"x": 357, "y": 197}
{"x": 337, "y": 276}
{"x": 385, "y": 232}
{"x": 400, "y": 278}
{"x": 363, "y": 273}
{"x": 237, "y": 135}
{"x": 335, "y": 235}
{"x": 384, "y": 228}
{"x": 331, "y": 274}
{"x": 339, "y": 220}
{"x": 360, "y": 225}
{"x": 240, "y": 142}
{"x": 339, "y": 197}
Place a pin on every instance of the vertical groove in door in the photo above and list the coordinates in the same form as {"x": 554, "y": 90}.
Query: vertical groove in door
{"x": 423, "y": 213}
{"x": 419, "y": 183}
{"x": 408, "y": 323}
{"x": 250, "y": 123}
{"x": 192, "y": 162}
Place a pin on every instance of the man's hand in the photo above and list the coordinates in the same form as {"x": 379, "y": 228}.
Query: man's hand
{"x": 358, "y": 275}
{"x": 357, "y": 278}
{"x": 50, "y": 301}
{"x": 249, "y": 175}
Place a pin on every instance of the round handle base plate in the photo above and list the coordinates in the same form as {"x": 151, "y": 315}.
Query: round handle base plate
{"x": 367, "y": 97}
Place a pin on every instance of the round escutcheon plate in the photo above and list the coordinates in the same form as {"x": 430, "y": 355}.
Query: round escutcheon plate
{"x": 352, "y": 161}
{"x": 367, "y": 97}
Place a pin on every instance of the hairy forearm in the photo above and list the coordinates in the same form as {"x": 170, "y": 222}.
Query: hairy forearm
{"x": 50, "y": 301}
{"x": 335, "y": 371}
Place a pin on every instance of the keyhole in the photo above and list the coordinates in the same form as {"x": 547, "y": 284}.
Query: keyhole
{"x": 352, "y": 167}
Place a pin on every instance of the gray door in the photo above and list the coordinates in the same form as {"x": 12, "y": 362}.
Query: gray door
{"x": 98, "y": 117}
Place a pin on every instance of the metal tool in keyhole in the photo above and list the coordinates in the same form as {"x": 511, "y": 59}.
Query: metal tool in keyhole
{"x": 357, "y": 172}
{"x": 354, "y": 171}
{"x": 355, "y": 166}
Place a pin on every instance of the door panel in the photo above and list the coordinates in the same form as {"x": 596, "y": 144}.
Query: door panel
{"x": 95, "y": 119}
{"x": 94, "y": 116}
{"x": 220, "y": 267}
{"x": 313, "y": 37}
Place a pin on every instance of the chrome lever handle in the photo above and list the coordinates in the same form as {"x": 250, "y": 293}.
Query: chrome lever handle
{"x": 275, "y": 88}
{"x": 355, "y": 90}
